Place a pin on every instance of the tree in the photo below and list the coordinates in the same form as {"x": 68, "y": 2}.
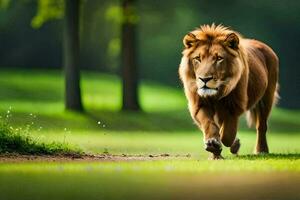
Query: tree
{"x": 71, "y": 56}
{"x": 70, "y": 11}
{"x": 128, "y": 56}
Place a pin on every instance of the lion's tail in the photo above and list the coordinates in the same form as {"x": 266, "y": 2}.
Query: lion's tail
{"x": 251, "y": 117}
{"x": 276, "y": 95}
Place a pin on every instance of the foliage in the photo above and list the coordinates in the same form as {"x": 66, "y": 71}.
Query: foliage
{"x": 115, "y": 15}
{"x": 4, "y": 4}
{"x": 47, "y": 10}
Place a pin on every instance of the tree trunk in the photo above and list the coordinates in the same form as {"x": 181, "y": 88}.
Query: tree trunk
{"x": 71, "y": 56}
{"x": 128, "y": 58}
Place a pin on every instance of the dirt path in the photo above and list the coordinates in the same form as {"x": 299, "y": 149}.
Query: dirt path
{"x": 8, "y": 158}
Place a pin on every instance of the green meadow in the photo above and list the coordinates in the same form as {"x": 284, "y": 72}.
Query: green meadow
{"x": 34, "y": 99}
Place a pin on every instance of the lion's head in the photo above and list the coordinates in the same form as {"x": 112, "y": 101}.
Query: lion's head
{"x": 214, "y": 59}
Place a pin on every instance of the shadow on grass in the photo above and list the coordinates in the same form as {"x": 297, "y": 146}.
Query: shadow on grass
{"x": 145, "y": 121}
{"x": 34, "y": 86}
{"x": 165, "y": 121}
{"x": 288, "y": 156}
{"x": 40, "y": 92}
{"x": 172, "y": 121}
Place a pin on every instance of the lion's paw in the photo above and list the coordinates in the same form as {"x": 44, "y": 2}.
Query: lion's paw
{"x": 213, "y": 145}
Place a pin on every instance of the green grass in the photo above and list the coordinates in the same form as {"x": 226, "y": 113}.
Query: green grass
{"x": 18, "y": 141}
{"x": 163, "y": 127}
{"x": 176, "y": 179}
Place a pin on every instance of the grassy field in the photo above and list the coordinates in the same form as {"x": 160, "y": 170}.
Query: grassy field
{"x": 35, "y": 98}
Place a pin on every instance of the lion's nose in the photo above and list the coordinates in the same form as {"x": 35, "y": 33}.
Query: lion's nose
{"x": 206, "y": 79}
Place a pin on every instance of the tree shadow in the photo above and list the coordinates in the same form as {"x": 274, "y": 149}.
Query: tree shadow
{"x": 39, "y": 92}
{"x": 171, "y": 121}
{"x": 165, "y": 121}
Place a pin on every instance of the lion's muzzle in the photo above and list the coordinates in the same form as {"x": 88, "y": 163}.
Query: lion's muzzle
{"x": 207, "y": 86}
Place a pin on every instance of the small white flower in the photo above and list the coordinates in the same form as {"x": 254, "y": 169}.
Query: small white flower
{"x": 99, "y": 122}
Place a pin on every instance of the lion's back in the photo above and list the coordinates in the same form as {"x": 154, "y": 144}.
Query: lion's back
{"x": 263, "y": 52}
{"x": 263, "y": 69}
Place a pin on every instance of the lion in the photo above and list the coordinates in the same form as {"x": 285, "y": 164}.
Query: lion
{"x": 225, "y": 75}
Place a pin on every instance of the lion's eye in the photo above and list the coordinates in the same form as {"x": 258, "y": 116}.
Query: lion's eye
{"x": 198, "y": 58}
{"x": 219, "y": 58}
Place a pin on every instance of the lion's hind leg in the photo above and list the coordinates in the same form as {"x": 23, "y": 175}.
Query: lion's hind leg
{"x": 261, "y": 130}
{"x": 259, "y": 116}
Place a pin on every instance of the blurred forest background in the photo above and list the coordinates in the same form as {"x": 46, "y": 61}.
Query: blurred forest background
{"x": 31, "y": 37}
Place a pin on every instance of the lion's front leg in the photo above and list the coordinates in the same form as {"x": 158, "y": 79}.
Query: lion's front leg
{"x": 228, "y": 133}
{"x": 212, "y": 142}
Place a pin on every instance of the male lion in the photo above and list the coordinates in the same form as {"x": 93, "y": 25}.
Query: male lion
{"x": 225, "y": 75}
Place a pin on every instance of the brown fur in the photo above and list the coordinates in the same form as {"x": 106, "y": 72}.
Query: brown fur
{"x": 241, "y": 76}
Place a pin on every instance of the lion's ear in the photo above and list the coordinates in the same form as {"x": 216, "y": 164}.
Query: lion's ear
{"x": 232, "y": 41}
{"x": 189, "y": 40}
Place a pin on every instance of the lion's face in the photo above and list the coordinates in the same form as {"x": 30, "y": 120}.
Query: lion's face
{"x": 214, "y": 62}
{"x": 211, "y": 67}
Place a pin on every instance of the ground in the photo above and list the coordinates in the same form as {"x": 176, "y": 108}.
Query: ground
{"x": 157, "y": 153}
